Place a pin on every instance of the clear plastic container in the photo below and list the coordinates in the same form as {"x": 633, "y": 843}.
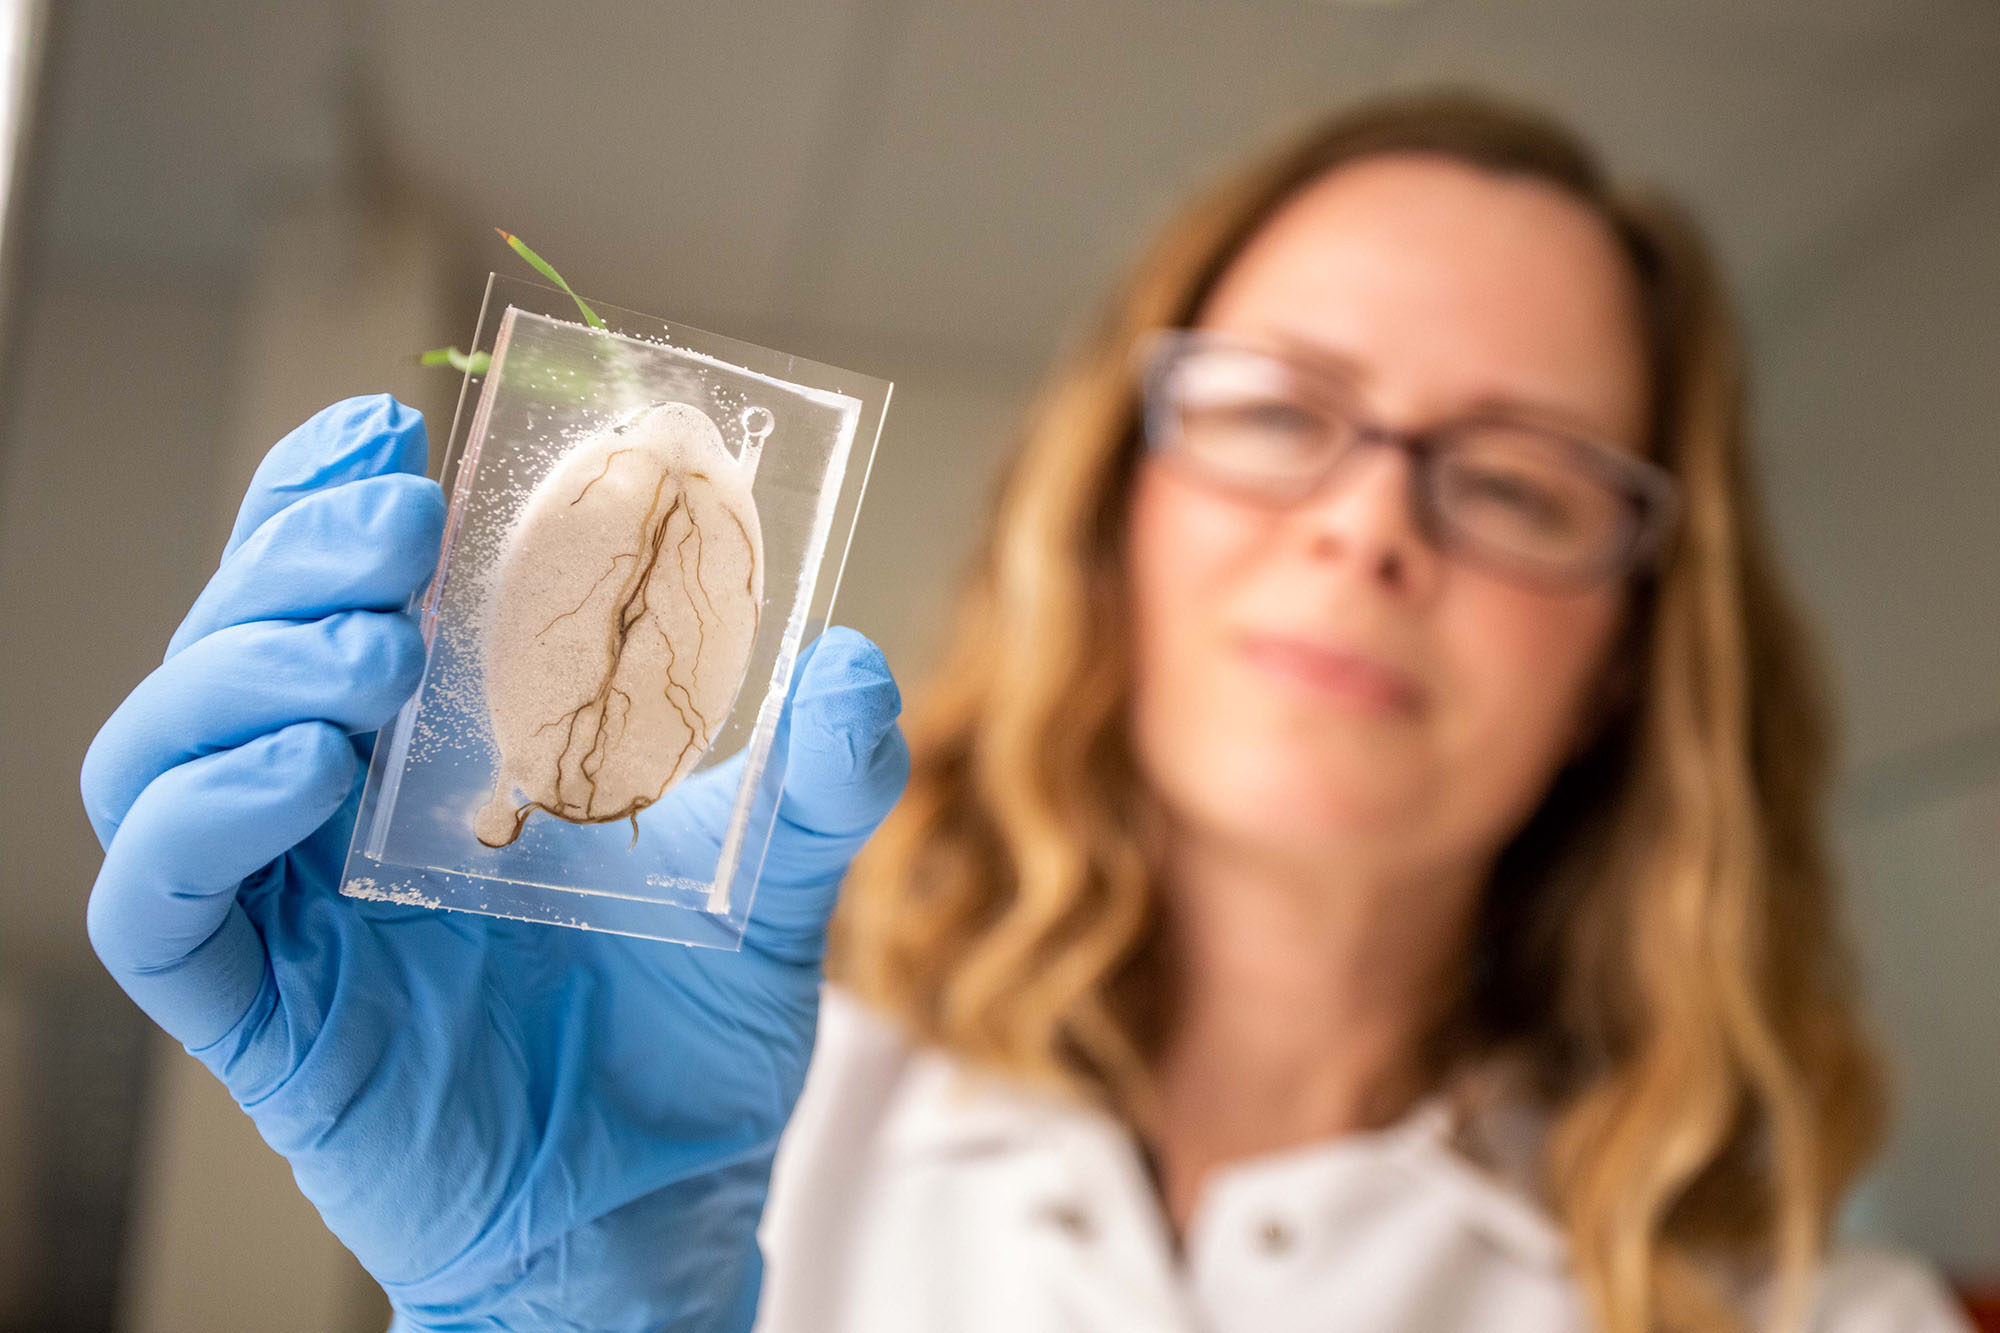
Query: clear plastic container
{"x": 647, "y": 525}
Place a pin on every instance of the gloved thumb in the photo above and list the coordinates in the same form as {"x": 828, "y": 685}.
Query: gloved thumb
{"x": 845, "y": 765}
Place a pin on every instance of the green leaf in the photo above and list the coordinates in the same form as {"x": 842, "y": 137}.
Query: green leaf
{"x": 457, "y": 360}
{"x": 543, "y": 267}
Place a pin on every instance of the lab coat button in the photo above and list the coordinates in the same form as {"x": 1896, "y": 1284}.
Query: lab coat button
{"x": 1274, "y": 1237}
{"x": 1067, "y": 1217}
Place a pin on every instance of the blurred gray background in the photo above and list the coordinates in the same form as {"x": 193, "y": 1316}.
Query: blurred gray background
{"x": 234, "y": 211}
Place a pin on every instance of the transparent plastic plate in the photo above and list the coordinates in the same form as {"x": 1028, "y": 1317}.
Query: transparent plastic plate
{"x": 647, "y": 525}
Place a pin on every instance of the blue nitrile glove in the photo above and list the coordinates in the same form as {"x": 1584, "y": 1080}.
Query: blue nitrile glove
{"x": 512, "y": 1126}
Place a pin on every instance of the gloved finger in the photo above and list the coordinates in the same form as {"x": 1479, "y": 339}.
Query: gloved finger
{"x": 366, "y": 545}
{"x": 353, "y": 438}
{"x": 839, "y": 778}
{"x": 353, "y": 670}
{"x": 846, "y": 765}
{"x": 163, "y": 915}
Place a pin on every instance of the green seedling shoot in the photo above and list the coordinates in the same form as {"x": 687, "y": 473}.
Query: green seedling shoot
{"x": 476, "y": 363}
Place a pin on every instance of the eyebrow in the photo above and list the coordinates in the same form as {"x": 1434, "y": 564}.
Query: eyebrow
{"x": 1331, "y": 359}
{"x": 1526, "y": 411}
{"x": 1491, "y": 405}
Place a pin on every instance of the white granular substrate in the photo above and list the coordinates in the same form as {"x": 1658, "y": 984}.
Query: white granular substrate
{"x": 621, "y": 620}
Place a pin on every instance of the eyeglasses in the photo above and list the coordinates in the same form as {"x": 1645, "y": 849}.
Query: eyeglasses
{"x": 1534, "y": 504}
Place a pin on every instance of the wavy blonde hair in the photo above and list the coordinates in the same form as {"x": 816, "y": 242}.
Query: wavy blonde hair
{"x": 1658, "y": 957}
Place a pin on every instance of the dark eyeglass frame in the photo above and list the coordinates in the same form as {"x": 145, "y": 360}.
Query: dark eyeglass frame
{"x": 1652, "y": 495}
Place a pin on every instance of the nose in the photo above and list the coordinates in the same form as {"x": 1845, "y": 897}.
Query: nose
{"x": 1366, "y": 514}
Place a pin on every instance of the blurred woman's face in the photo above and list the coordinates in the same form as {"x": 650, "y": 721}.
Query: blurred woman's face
{"x": 1317, "y": 681}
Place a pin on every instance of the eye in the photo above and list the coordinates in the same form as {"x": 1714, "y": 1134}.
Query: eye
{"x": 1256, "y": 439}
{"x": 1525, "y": 496}
{"x": 1278, "y": 417}
{"x": 1244, "y": 420}
{"x": 1257, "y": 423}
{"x": 1522, "y": 498}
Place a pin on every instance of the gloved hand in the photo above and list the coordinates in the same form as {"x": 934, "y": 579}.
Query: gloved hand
{"x": 512, "y": 1126}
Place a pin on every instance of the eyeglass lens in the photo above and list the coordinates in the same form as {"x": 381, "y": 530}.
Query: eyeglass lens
{"x": 1512, "y": 492}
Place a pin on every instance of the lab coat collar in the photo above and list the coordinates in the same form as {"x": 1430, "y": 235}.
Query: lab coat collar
{"x": 945, "y": 1111}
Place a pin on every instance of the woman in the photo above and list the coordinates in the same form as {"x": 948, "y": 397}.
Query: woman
{"x": 1337, "y": 886}
{"x": 1279, "y": 785}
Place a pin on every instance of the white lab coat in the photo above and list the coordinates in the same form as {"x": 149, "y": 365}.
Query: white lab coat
{"x": 905, "y": 1201}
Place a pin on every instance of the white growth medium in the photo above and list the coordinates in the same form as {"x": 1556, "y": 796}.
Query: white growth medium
{"x": 621, "y": 622}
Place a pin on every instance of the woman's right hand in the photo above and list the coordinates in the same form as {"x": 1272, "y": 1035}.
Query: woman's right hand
{"x": 510, "y": 1125}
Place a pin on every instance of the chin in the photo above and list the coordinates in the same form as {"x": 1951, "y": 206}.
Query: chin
{"x": 1279, "y": 778}
{"x": 1304, "y": 809}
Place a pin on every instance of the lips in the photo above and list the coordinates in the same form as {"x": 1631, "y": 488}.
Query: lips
{"x": 1337, "y": 672}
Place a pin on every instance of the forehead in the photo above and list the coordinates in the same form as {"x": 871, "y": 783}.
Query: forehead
{"x": 1444, "y": 285}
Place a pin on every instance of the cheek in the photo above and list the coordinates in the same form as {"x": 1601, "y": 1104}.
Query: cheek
{"x": 1182, "y": 543}
{"x": 1184, "y": 551}
{"x": 1521, "y": 666}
